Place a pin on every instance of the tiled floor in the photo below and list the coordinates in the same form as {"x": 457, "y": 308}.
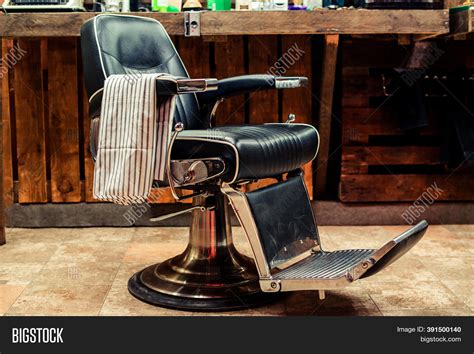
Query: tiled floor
{"x": 85, "y": 272}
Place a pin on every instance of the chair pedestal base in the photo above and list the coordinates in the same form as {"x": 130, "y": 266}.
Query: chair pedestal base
{"x": 210, "y": 275}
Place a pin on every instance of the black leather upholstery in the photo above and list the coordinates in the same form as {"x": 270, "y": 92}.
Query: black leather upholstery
{"x": 288, "y": 222}
{"x": 237, "y": 85}
{"x": 121, "y": 44}
{"x": 251, "y": 151}
{"x": 118, "y": 44}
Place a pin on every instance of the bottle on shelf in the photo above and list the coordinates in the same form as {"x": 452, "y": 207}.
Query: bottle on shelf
{"x": 280, "y": 5}
{"x": 219, "y": 5}
{"x": 297, "y": 5}
{"x": 192, "y": 5}
{"x": 243, "y": 5}
{"x": 159, "y": 5}
{"x": 313, "y": 4}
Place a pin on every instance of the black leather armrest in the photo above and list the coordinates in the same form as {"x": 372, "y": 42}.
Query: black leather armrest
{"x": 239, "y": 85}
{"x": 165, "y": 86}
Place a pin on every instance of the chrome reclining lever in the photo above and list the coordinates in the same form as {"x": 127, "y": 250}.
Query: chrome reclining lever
{"x": 209, "y": 204}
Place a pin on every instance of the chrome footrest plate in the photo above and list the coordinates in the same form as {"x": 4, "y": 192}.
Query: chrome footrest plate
{"x": 330, "y": 270}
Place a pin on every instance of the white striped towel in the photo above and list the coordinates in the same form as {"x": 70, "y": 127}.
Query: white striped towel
{"x": 134, "y": 132}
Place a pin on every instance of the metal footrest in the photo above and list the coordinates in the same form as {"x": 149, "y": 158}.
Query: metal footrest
{"x": 279, "y": 223}
{"x": 325, "y": 265}
{"x": 329, "y": 270}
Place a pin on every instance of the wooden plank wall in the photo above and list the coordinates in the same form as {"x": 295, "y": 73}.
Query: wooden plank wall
{"x": 30, "y": 110}
{"x": 381, "y": 162}
{"x": 63, "y": 120}
{"x": 7, "y": 128}
{"x": 45, "y": 108}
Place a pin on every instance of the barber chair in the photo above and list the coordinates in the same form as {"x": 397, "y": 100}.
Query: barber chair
{"x": 213, "y": 165}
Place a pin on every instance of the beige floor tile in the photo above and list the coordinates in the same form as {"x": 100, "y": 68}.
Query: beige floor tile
{"x": 93, "y": 251}
{"x": 27, "y": 252}
{"x": 463, "y": 289}
{"x": 126, "y": 270}
{"x": 19, "y": 273}
{"x": 8, "y": 295}
{"x": 441, "y": 242}
{"x": 409, "y": 295}
{"x": 152, "y": 252}
{"x": 47, "y": 235}
{"x": 465, "y": 233}
{"x": 301, "y": 302}
{"x": 70, "y": 272}
{"x": 40, "y": 299}
{"x": 119, "y": 302}
{"x": 101, "y": 234}
{"x": 445, "y": 231}
{"x": 452, "y": 268}
{"x": 78, "y": 273}
{"x": 466, "y": 230}
{"x": 348, "y": 302}
{"x": 401, "y": 270}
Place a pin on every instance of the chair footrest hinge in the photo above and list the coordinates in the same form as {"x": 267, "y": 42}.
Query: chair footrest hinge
{"x": 270, "y": 285}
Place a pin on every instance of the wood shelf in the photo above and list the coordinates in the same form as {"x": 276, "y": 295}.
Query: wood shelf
{"x": 346, "y": 21}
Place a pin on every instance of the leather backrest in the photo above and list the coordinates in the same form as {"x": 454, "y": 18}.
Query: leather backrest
{"x": 122, "y": 44}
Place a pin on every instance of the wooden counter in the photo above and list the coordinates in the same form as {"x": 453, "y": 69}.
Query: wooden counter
{"x": 346, "y": 21}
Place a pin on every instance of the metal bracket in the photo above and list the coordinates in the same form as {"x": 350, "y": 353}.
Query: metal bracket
{"x": 192, "y": 23}
{"x": 193, "y": 171}
{"x": 291, "y": 118}
{"x": 270, "y": 285}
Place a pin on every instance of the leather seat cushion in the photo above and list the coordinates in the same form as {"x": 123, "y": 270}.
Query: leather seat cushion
{"x": 251, "y": 151}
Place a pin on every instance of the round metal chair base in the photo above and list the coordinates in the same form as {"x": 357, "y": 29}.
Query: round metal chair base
{"x": 231, "y": 302}
{"x": 210, "y": 275}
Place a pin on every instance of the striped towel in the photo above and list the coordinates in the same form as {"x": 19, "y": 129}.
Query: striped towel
{"x": 134, "y": 132}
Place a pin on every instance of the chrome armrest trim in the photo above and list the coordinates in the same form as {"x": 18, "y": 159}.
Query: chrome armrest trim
{"x": 290, "y": 82}
{"x": 196, "y": 85}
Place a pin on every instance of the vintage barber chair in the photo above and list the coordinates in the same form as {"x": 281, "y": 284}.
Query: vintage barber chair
{"x": 215, "y": 164}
